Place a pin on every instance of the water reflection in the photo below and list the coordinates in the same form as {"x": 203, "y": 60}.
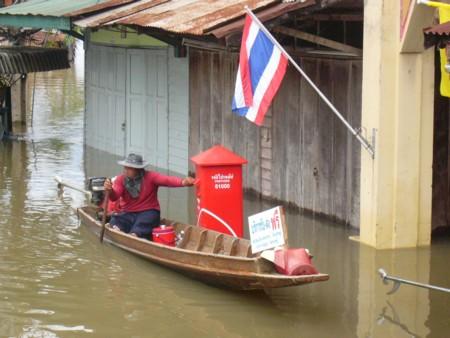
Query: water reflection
{"x": 56, "y": 280}
{"x": 411, "y": 304}
{"x": 394, "y": 319}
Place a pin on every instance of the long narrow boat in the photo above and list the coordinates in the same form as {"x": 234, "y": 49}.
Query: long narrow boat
{"x": 203, "y": 254}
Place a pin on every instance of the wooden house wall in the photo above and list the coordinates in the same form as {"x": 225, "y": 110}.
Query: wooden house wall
{"x": 440, "y": 211}
{"x": 303, "y": 154}
{"x": 212, "y": 77}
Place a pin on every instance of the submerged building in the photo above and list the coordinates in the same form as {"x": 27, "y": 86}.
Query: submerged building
{"x": 160, "y": 76}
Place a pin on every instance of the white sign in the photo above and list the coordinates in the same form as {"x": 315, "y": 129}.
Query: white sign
{"x": 267, "y": 229}
{"x": 222, "y": 181}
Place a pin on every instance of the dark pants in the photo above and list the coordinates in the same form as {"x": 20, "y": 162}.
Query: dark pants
{"x": 140, "y": 223}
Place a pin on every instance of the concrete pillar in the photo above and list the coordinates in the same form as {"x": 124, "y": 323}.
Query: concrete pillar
{"x": 397, "y": 101}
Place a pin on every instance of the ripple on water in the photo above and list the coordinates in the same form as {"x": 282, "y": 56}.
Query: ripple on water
{"x": 38, "y": 330}
{"x": 40, "y": 312}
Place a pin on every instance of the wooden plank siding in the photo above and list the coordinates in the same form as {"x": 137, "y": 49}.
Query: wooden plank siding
{"x": 303, "y": 154}
{"x": 440, "y": 212}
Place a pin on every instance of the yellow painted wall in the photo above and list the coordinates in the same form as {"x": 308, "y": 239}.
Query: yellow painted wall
{"x": 398, "y": 97}
{"x": 114, "y": 37}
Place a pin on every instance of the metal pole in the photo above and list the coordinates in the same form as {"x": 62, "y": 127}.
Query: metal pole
{"x": 360, "y": 138}
{"x": 62, "y": 184}
{"x": 385, "y": 277}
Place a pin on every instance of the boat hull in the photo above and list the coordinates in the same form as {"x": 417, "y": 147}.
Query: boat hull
{"x": 239, "y": 273}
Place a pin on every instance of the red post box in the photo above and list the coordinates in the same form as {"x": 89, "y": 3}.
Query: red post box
{"x": 219, "y": 190}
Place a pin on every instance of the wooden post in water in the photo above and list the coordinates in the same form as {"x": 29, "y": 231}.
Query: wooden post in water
{"x": 105, "y": 211}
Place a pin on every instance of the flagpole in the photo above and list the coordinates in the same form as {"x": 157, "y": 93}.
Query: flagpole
{"x": 356, "y": 133}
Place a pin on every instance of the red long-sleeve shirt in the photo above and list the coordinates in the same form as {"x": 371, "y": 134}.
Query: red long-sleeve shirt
{"x": 148, "y": 196}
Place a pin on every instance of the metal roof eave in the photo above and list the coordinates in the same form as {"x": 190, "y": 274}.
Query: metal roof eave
{"x": 26, "y": 59}
{"x": 50, "y": 14}
{"x": 437, "y": 35}
{"x": 36, "y": 21}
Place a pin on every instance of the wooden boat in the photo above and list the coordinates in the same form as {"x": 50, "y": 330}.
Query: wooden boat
{"x": 203, "y": 254}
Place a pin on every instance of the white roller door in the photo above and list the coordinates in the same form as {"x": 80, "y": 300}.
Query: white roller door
{"x": 137, "y": 101}
{"x": 105, "y": 98}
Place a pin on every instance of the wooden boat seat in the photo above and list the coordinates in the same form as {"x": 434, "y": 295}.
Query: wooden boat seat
{"x": 194, "y": 238}
{"x": 243, "y": 248}
{"x": 212, "y": 243}
{"x": 228, "y": 247}
{"x": 198, "y": 239}
{"x": 232, "y": 246}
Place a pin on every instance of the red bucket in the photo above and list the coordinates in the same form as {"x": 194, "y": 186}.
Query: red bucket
{"x": 294, "y": 262}
{"x": 164, "y": 235}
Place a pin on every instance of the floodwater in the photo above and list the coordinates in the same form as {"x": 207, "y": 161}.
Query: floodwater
{"x": 56, "y": 280}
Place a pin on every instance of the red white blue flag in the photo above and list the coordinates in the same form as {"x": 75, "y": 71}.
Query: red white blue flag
{"x": 262, "y": 66}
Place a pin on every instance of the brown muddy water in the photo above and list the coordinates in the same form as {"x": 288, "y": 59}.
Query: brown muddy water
{"x": 56, "y": 280}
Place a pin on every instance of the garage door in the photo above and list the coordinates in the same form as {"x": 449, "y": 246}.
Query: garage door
{"x": 105, "y": 98}
{"x": 147, "y": 105}
{"x": 137, "y": 100}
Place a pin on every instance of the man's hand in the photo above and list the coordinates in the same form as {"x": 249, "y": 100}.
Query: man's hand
{"x": 108, "y": 185}
{"x": 188, "y": 181}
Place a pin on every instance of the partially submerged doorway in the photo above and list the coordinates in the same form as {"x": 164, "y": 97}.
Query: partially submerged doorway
{"x": 441, "y": 159}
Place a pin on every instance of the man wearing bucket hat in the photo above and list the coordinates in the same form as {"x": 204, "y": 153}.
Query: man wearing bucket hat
{"x": 136, "y": 191}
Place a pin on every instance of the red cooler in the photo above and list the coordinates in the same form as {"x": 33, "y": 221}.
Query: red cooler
{"x": 164, "y": 235}
{"x": 219, "y": 190}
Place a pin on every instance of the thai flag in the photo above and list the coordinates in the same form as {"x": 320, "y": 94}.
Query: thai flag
{"x": 261, "y": 69}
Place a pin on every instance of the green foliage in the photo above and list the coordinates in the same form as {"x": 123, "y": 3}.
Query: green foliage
{"x": 5, "y": 80}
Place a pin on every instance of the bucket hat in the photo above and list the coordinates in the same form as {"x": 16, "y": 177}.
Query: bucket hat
{"x": 133, "y": 161}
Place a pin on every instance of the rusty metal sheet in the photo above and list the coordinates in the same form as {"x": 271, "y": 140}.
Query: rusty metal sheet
{"x": 99, "y": 7}
{"x": 193, "y": 17}
{"x": 438, "y": 35}
{"x": 442, "y": 29}
{"x": 110, "y": 16}
{"x": 263, "y": 15}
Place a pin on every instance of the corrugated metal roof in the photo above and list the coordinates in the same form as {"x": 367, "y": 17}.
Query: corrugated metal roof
{"x": 266, "y": 14}
{"x": 442, "y": 29}
{"x": 21, "y": 60}
{"x": 49, "y": 7}
{"x": 437, "y": 35}
{"x": 53, "y": 14}
{"x": 101, "y": 6}
{"x": 188, "y": 17}
{"x": 194, "y": 17}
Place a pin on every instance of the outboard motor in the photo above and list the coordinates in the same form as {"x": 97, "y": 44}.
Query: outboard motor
{"x": 95, "y": 186}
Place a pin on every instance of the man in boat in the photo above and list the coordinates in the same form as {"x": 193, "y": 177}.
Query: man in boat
{"x": 136, "y": 192}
